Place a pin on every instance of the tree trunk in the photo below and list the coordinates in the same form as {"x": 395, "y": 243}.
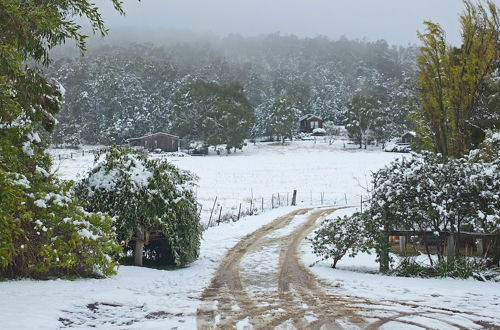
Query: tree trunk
{"x": 139, "y": 246}
{"x": 384, "y": 254}
{"x": 451, "y": 246}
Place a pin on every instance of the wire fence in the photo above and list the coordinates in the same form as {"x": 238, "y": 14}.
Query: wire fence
{"x": 74, "y": 154}
{"x": 231, "y": 210}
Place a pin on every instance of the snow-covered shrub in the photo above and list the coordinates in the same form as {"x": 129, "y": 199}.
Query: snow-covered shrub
{"x": 458, "y": 267}
{"x": 45, "y": 233}
{"x": 428, "y": 194}
{"x": 410, "y": 267}
{"x": 422, "y": 193}
{"x": 43, "y": 230}
{"x": 489, "y": 149}
{"x": 152, "y": 200}
{"x": 336, "y": 237}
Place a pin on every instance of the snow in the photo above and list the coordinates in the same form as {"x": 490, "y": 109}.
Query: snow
{"x": 357, "y": 277}
{"x": 313, "y": 168}
{"x": 142, "y": 298}
{"x": 138, "y": 298}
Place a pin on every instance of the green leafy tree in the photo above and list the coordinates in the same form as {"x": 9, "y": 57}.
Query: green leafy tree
{"x": 339, "y": 236}
{"x": 451, "y": 80}
{"x": 283, "y": 118}
{"x": 43, "y": 231}
{"x": 152, "y": 200}
{"x": 212, "y": 113}
{"x": 366, "y": 116}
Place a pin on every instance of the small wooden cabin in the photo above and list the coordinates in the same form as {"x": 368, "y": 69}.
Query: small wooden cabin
{"x": 163, "y": 141}
{"x": 408, "y": 137}
{"x": 309, "y": 122}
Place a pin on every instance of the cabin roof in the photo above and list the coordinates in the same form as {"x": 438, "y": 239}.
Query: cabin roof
{"x": 309, "y": 116}
{"x": 150, "y": 135}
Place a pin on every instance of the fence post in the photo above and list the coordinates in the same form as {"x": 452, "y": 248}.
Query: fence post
{"x": 71, "y": 155}
{"x": 361, "y": 205}
{"x": 279, "y": 200}
{"x": 272, "y": 201}
{"x": 287, "y": 199}
{"x": 311, "y": 197}
{"x": 294, "y": 198}
{"x": 251, "y": 206}
{"x": 220, "y": 215}
{"x": 321, "y": 198}
{"x": 59, "y": 156}
{"x": 262, "y": 204}
{"x": 239, "y": 212}
{"x": 345, "y": 196}
{"x": 213, "y": 207}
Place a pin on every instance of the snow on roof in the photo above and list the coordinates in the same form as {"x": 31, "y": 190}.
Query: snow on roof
{"x": 411, "y": 133}
{"x": 149, "y": 135}
{"x": 309, "y": 116}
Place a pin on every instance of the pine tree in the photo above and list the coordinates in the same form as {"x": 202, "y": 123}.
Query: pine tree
{"x": 212, "y": 113}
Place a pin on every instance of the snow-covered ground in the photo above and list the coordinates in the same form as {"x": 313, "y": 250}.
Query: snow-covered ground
{"x": 141, "y": 298}
{"x": 136, "y": 298}
{"x": 356, "y": 277}
{"x": 322, "y": 174}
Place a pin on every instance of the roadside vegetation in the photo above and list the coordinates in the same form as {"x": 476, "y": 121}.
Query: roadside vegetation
{"x": 449, "y": 192}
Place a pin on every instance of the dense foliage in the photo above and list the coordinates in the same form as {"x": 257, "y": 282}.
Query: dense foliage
{"x": 43, "y": 231}
{"x": 456, "y": 85}
{"x": 212, "y": 114}
{"x": 423, "y": 193}
{"x": 282, "y": 119}
{"x": 128, "y": 90}
{"x": 152, "y": 201}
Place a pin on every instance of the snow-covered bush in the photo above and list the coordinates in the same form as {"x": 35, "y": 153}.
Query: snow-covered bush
{"x": 422, "y": 193}
{"x": 45, "y": 233}
{"x": 43, "y": 230}
{"x": 426, "y": 193}
{"x": 336, "y": 237}
{"x": 489, "y": 149}
{"x": 152, "y": 200}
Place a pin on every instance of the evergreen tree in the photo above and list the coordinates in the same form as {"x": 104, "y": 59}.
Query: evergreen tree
{"x": 43, "y": 231}
{"x": 283, "y": 118}
{"x": 212, "y": 113}
{"x": 366, "y": 115}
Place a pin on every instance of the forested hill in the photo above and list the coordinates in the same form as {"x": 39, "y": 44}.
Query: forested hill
{"x": 117, "y": 92}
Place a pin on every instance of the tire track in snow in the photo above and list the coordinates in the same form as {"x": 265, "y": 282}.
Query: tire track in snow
{"x": 245, "y": 295}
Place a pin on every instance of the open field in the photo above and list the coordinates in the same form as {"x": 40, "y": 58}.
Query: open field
{"x": 321, "y": 174}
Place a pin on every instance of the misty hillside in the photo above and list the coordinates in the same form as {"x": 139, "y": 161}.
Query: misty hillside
{"x": 126, "y": 90}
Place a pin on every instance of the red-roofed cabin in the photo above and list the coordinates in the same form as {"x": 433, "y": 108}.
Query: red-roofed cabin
{"x": 309, "y": 122}
{"x": 163, "y": 141}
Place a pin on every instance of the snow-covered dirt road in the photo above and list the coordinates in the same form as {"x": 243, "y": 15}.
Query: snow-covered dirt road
{"x": 261, "y": 283}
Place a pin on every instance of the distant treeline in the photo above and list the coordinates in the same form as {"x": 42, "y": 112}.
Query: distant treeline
{"x": 117, "y": 92}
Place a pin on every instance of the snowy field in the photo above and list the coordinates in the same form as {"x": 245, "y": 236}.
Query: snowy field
{"x": 321, "y": 174}
{"x": 140, "y": 298}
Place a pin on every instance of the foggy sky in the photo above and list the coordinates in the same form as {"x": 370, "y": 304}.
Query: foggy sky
{"x": 393, "y": 20}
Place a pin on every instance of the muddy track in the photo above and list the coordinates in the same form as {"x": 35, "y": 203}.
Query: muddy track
{"x": 247, "y": 293}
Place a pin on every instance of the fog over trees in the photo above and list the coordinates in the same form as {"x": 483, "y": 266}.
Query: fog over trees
{"x": 120, "y": 91}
